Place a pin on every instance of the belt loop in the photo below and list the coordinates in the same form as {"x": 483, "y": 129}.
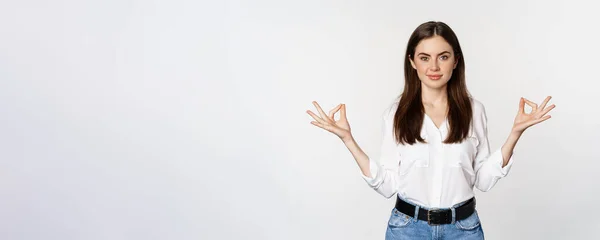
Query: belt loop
{"x": 417, "y": 208}
{"x": 453, "y": 215}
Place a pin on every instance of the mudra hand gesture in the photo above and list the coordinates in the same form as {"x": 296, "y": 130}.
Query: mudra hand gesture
{"x": 537, "y": 114}
{"x": 341, "y": 127}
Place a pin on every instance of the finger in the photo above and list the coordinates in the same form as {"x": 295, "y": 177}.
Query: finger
{"x": 543, "y": 105}
{"x": 531, "y": 104}
{"x": 540, "y": 120}
{"x": 343, "y": 112}
{"x": 547, "y": 110}
{"x": 333, "y": 111}
{"x": 320, "y": 120}
{"x": 321, "y": 125}
{"x": 521, "y": 106}
{"x": 321, "y": 112}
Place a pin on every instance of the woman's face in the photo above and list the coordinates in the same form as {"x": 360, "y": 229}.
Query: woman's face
{"x": 434, "y": 61}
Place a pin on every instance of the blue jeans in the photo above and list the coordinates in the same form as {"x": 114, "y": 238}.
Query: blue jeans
{"x": 402, "y": 226}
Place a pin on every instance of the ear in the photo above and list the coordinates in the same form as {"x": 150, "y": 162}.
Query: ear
{"x": 412, "y": 63}
{"x": 455, "y": 62}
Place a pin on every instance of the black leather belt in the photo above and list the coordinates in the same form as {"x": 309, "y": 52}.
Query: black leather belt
{"x": 437, "y": 216}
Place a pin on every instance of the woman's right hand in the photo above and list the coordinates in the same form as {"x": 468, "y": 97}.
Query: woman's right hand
{"x": 340, "y": 128}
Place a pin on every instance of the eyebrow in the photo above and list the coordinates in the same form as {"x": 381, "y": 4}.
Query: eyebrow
{"x": 430, "y": 55}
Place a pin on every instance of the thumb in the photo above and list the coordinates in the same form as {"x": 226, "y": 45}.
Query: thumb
{"x": 521, "y": 105}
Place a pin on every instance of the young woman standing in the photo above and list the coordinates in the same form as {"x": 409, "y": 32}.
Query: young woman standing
{"x": 435, "y": 147}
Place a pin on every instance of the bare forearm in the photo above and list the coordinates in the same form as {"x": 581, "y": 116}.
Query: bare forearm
{"x": 361, "y": 158}
{"x": 509, "y": 146}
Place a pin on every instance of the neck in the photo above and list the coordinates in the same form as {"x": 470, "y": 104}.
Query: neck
{"x": 434, "y": 97}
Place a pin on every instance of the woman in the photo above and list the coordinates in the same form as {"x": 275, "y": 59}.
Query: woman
{"x": 435, "y": 147}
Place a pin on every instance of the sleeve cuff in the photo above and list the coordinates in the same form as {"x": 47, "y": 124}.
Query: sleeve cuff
{"x": 374, "y": 169}
{"x": 504, "y": 170}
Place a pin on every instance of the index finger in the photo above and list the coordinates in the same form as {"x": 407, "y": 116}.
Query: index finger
{"x": 533, "y": 105}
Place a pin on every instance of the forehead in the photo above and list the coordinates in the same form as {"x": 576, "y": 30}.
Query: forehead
{"x": 433, "y": 45}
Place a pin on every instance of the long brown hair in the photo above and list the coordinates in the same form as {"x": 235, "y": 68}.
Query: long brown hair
{"x": 410, "y": 113}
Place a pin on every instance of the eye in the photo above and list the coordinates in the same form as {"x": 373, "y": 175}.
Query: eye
{"x": 424, "y": 58}
{"x": 444, "y": 57}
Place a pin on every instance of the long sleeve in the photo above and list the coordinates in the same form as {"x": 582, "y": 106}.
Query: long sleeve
{"x": 384, "y": 173}
{"x": 488, "y": 167}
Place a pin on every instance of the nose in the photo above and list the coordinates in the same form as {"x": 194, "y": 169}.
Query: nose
{"x": 435, "y": 66}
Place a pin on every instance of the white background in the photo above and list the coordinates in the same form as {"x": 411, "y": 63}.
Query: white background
{"x": 187, "y": 120}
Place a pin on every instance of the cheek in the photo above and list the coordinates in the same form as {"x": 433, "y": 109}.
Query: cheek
{"x": 449, "y": 64}
{"x": 422, "y": 69}
{"x": 448, "y": 67}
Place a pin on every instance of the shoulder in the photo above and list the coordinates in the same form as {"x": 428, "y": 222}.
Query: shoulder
{"x": 390, "y": 109}
{"x": 477, "y": 107}
{"x": 479, "y": 116}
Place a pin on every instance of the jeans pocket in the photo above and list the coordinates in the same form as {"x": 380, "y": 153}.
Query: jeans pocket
{"x": 399, "y": 219}
{"x": 469, "y": 223}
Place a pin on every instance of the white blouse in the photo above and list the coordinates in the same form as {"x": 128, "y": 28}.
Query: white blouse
{"x": 435, "y": 174}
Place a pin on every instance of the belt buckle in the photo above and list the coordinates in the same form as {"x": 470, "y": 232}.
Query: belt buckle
{"x": 429, "y": 219}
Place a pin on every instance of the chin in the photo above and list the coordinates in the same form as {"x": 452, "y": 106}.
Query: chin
{"x": 435, "y": 84}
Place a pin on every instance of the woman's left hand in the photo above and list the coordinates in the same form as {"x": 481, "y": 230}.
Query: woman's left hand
{"x": 537, "y": 114}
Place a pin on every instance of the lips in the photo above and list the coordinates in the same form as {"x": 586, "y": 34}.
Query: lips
{"x": 434, "y": 77}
